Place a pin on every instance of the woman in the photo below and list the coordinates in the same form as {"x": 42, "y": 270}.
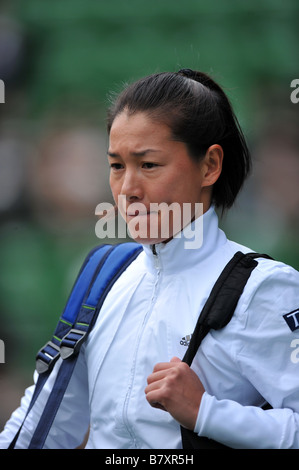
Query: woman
{"x": 174, "y": 139}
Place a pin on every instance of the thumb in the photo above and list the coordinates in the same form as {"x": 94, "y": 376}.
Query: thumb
{"x": 175, "y": 359}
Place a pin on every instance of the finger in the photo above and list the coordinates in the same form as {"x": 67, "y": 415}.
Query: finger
{"x": 157, "y": 405}
{"x": 153, "y": 397}
{"x": 154, "y": 382}
{"x": 156, "y": 376}
{"x": 175, "y": 359}
{"x": 160, "y": 370}
{"x": 162, "y": 366}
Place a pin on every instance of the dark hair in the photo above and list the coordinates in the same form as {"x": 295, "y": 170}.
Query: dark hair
{"x": 199, "y": 114}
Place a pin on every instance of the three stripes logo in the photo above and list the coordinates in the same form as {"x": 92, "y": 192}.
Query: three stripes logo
{"x": 185, "y": 341}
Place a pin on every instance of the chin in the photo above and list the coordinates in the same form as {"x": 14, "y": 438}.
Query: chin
{"x": 150, "y": 241}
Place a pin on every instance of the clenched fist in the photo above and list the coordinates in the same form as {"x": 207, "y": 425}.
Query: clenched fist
{"x": 174, "y": 387}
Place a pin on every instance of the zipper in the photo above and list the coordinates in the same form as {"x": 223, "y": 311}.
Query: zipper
{"x": 156, "y": 259}
{"x": 140, "y": 332}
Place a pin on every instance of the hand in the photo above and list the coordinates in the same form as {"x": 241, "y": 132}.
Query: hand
{"x": 175, "y": 388}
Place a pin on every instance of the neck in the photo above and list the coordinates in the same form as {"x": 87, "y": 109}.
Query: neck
{"x": 196, "y": 242}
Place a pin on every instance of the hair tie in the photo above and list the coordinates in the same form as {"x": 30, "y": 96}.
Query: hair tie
{"x": 188, "y": 73}
{"x": 201, "y": 78}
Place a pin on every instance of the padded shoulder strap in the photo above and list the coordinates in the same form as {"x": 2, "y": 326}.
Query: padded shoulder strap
{"x": 100, "y": 270}
{"x": 217, "y": 312}
{"x": 50, "y": 352}
{"x": 220, "y": 306}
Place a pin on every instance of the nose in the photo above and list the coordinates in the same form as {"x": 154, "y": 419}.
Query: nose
{"x": 132, "y": 187}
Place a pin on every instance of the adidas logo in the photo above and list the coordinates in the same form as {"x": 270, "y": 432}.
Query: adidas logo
{"x": 185, "y": 341}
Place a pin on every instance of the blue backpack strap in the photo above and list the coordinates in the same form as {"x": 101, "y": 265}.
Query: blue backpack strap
{"x": 50, "y": 352}
{"x": 101, "y": 269}
{"x": 119, "y": 259}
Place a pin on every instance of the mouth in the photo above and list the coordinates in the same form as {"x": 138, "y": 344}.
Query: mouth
{"x": 137, "y": 213}
{"x": 132, "y": 211}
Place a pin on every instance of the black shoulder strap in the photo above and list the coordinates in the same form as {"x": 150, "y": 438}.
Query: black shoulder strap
{"x": 216, "y": 313}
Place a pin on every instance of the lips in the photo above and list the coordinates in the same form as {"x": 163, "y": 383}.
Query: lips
{"x": 137, "y": 209}
{"x": 137, "y": 213}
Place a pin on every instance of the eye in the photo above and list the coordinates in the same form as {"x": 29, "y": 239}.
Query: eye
{"x": 149, "y": 165}
{"x": 116, "y": 166}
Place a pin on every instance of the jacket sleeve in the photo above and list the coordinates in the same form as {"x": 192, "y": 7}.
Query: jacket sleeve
{"x": 71, "y": 422}
{"x": 268, "y": 356}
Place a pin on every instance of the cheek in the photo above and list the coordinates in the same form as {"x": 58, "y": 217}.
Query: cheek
{"x": 187, "y": 189}
{"x": 114, "y": 186}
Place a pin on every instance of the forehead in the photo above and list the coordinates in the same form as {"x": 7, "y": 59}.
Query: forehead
{"x": 138, "y": 129}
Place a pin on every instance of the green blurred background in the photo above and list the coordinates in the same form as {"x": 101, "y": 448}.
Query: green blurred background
{"x": 61, "y": 61}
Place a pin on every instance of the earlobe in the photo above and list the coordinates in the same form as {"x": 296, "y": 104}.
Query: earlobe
{"x": 213, "y": 164}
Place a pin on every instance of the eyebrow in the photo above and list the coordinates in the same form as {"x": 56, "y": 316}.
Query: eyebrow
{"x": 142, "y": 153}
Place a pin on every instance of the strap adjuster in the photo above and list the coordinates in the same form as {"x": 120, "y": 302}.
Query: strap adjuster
{"x": 46, "y": 357}
{"x": 72, "y": 342}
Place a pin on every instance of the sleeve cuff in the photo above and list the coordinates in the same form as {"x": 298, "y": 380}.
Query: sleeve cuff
{"x": 246, "y": 427}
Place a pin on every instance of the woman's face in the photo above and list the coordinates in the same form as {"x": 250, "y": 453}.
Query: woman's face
{"x": 150, "y": 171}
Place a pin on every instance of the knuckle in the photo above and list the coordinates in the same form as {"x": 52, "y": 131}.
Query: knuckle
{"x": 172, "y": 377}
{"x": 184, "y": 367}
{"x": 180, "y": 369}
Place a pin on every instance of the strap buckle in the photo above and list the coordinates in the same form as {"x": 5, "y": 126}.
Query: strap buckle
{"x": 46, "y": 357}
{"x": 72, "y": 342}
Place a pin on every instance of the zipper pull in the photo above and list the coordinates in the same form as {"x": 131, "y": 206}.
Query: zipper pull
{"x": 156, "y": 257}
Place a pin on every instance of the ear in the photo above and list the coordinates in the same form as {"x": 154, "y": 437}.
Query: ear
{"x": 212, "y": 164}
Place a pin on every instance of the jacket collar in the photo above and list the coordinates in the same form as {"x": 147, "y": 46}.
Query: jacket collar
{"x": 193, "y": 245}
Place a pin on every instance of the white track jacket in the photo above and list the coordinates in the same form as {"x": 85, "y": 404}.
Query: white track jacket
{"x": 147, "y": 318}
